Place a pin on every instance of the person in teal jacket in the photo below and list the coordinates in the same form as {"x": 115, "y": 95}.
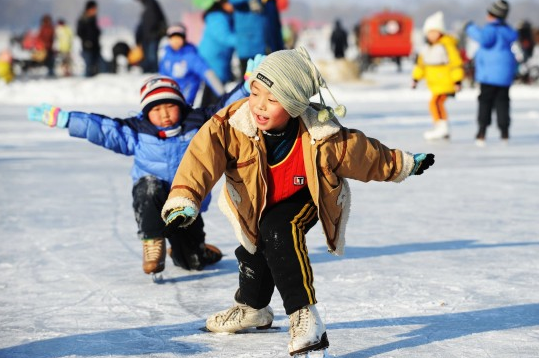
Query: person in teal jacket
{"x": 495, "y": 69}
{"x": 217, "y": 44}
{"x": 258, "y": 29}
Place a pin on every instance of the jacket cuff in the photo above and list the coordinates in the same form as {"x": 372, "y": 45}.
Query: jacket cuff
{"x": 407, "y": 166}
{"x": 178, "y": 202}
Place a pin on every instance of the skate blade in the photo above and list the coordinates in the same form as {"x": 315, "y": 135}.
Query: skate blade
{"x": 247, "y": 330}
{"x": 323, "y": 353}
{"x": 318, "y": 348}
{"x": 157, "y": 278}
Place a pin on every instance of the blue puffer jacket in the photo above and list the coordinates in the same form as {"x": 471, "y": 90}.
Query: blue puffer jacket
{"x": 218, "y": 43}
{"x": 495, "y": 64}
{"x": 187, "y": 68}
{"x": 155, "y": 154}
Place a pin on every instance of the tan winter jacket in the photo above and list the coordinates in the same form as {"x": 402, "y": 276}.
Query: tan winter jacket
{"x": 231, "y": 144}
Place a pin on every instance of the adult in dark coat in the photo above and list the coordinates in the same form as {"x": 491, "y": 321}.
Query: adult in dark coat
{"x": 152, "y": 27}
{"x": 89, "y": 33}
{"x": 339, "y": 40}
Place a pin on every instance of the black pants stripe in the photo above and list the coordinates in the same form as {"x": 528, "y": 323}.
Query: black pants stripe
{"x": 282, "y": 258}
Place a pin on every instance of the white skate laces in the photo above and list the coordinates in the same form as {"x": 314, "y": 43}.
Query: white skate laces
{"x": 307, "y": 331}
{"x": 240, "y": 317}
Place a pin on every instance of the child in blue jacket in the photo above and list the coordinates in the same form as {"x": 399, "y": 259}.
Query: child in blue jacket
{"x": 158, "y": 138}
{"x": 183, "y": 63}
{"x": 495, "y": 69}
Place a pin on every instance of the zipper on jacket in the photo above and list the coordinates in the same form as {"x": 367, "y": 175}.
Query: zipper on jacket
{"x": 265, "y": 187}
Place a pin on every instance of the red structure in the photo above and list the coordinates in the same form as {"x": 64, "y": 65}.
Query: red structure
{"x": 386, "y": 34}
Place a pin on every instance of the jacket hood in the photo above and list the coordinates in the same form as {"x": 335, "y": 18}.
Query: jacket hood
{"x": 243, "y": 121}
{"x": 506, "y": 33}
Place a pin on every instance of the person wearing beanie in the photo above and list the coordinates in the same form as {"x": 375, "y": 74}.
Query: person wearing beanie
{"x": 285, "y": 163}
{"x": 157, "y": 138}
{"x": 440, "y": 64}
{"x": 182, "y": 62}
{"x": 495, "y": 69}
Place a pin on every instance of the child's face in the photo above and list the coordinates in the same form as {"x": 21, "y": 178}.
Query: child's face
{"x": 268, "y": 113}
{"x": 176, "y": 42}
{"x": 433, "y": 36}
{"x": 164, "y": 115}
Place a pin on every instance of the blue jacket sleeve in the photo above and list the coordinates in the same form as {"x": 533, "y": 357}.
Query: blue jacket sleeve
{"x": 486, "y": 37}
{"x": 104, "y": 131}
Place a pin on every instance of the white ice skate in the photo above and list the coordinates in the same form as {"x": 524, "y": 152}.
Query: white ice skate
{"x": 307, "y": 332}
{"x": 240, "y": 317}
{"x": 440, "y": 131}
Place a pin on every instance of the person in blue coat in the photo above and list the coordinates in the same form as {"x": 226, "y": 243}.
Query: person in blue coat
{"x": 258, "y": 29}
{"x": 217, "y": 44}
{"x": 157, "y": 138}
{"x": 495, "y": 69}
{"x": 183, "y": 63}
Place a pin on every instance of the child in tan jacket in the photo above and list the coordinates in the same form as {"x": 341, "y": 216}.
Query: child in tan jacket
{"x": 285, "y": 162}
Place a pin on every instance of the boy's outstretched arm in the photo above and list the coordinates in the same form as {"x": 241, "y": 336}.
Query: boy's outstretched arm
{"x": 49, "y": 115}
{"x": 110, "y": 133}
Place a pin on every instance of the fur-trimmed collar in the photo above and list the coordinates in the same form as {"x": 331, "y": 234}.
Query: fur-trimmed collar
{"x": 243, "y": 121}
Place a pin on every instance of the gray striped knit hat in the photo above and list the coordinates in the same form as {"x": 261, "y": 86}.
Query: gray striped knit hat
{"x": 499, "y": 9}
{"x": 293, "y": 79}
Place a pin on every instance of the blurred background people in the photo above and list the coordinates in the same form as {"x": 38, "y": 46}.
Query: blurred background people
{"x": 217, "y": 45}
{"x": 182, "y": 62}
{"x": 440, "y": 64}
{"x": 258, "y": 29}
{"x": 45, "y": 37}
{"x": 495, "y": 69}
{"x": 339, "y": 40}
{"x": 89, "y": 32}
{"x": 6, "y": 66}
{"x": 63, "y": 46}
{"x": 150, "y": 30}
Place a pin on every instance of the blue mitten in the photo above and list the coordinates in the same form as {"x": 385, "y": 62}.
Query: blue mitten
{"x": 49, "y": 115}
{"x": 179, "y": 217}
{"x": 252, "y": 64}
{"x": 422, "y": 162}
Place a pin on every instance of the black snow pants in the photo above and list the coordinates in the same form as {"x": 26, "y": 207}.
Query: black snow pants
{"x": 490, "y": 98}
{"x": 281, "y": 259}
{"x": 149, "y": 196}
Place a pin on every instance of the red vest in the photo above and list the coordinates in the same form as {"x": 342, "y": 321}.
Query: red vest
{"x": 288, "y": 176}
